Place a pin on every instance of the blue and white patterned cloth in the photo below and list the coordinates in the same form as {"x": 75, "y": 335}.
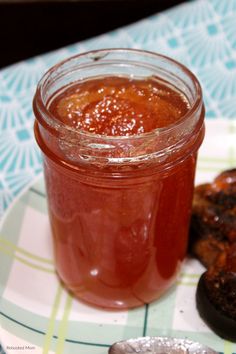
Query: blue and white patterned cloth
{"x": 201, "y": 34}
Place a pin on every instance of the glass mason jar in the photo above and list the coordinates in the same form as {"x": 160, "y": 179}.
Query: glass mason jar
{"x": 119, "y": 206}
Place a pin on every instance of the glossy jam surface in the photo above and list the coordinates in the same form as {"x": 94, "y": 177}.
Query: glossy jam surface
{"x": 119, "y": 240}
{"x": 119, "y": 106}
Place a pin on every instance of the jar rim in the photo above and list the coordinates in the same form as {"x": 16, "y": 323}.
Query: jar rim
{"x": 96, "y": 55}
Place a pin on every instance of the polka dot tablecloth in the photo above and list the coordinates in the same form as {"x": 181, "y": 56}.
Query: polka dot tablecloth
{"x": 36, "y": 313}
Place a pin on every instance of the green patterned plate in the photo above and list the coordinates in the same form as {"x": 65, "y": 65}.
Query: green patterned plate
{"x": 38, "y": 316}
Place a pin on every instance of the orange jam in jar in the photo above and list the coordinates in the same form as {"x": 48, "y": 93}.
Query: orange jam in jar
{"x": 119, "y": 130}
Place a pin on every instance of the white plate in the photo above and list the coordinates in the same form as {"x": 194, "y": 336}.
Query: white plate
{"x": 38, "y": 316}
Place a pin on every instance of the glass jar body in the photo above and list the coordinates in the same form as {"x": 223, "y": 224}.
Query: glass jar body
{"x": 120, "y": 244}
{"x": 119, "y": 216}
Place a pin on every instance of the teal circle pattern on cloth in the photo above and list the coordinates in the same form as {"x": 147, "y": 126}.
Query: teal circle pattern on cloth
{"x": 200, "y": 34}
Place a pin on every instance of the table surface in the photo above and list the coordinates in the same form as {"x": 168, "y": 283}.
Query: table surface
{"x": 202, "y": 35}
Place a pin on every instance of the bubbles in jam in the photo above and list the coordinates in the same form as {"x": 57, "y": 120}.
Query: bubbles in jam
{"x": 119, "y": 106}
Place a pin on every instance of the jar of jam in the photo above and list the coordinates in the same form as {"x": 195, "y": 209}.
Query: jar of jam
{"x": 119, "y": 130}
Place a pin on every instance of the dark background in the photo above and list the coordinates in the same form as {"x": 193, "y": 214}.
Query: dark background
{"x": 28, "y": 28}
